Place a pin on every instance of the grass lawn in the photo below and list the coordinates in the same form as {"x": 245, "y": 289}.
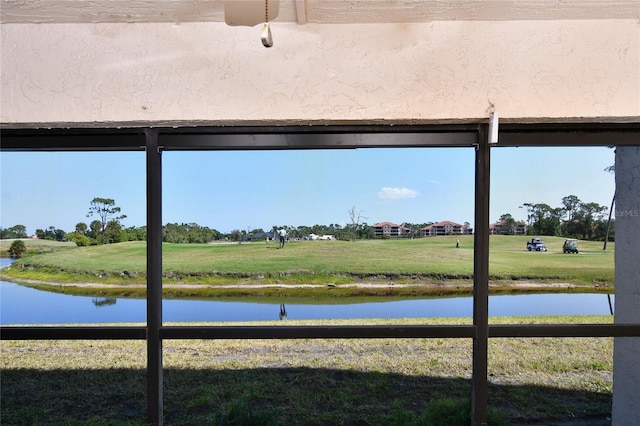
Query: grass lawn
{"x": 35, "y": 246}
{"x": 426, "y": 263}
{"x": 309, "y": 382}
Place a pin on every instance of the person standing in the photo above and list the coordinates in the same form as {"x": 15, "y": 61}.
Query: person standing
{"x": 282, "y": 234}
{"x": 457, "y": 243}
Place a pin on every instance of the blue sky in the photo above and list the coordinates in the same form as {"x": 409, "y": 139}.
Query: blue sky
{"x": 259, "y": 189}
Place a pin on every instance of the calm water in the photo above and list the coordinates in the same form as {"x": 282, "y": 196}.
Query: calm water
{"x": 23, "y": 305}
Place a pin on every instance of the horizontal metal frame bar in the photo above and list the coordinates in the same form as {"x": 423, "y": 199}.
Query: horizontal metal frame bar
{"x": 319, "y": 137}
{"x": 568, "y": 138}
{"x": 564, "y": 330}
{"x": 74, "y": 333}
{"x": 631, "y": 124}
{"x": 318, "y": 332}
{"x": 241, "y": 137}
{"x": 315, "y": 141}
{"x": 320, "y": 129}
{"x": 73, "y": 142}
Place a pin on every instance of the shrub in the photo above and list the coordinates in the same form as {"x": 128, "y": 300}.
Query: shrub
{"x": 80, "y": 239}
{"x": 17, "y": 249}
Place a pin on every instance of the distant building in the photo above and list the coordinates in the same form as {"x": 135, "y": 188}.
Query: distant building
{"x": 314, "y": 237}
{"x": 501, "y": 228}
{"x": 390, "y": 230}
{"x": 260, "y": 236}
{"x": 445, "y": 227}
{"x": 327, "y": 237}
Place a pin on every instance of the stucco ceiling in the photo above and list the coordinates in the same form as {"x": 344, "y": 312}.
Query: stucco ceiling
{"x": 316, "y": 11}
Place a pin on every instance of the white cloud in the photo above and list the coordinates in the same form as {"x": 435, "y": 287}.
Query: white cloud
{"x": 388, "y": 193}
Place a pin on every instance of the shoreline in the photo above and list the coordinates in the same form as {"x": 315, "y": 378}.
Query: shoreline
{"x": 301, "y": 290}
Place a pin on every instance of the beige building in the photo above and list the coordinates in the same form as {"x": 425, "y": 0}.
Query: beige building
{"x": 501, "y": 228}
{"x": 445, "y": 227}
{"x": 390, "y": 230}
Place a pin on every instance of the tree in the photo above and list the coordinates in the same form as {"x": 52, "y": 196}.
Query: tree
{"x": 509, "y": 223}
{"x": 81, "y": 228}
{"x": 106, "y": 210}
{"x": 113, "y": 232}
{"x": 52, "y": 233}
{"x": 543, "y": 219}
{"x": 466, "y": 228}
{"x": 19, "y": 231}
{"x": 95, "y": 227}
{"x": 570, "y": 204}
{"x": 366, "y": 231}
{"x": 590, "y": 214}
{"x": 16, "y": 231}
{"x": 185, "y": 233}
{"x": 355, "y": 221}
{"x": 17, "y": 248}
{"x": 136, "y": 234}
{"x": 235, "y": 235}
{"x": 530, "y": 215}
{"x": 58, "y": 234}
{"x": 302, "y": 231}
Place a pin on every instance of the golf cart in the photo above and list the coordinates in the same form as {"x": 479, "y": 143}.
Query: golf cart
{"x": 570, "y": 246}
{"x": 536, "y": 244}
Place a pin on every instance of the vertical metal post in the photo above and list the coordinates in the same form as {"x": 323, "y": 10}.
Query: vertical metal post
{"x": 154, "y": 278}
{"x": 481, "y": 280}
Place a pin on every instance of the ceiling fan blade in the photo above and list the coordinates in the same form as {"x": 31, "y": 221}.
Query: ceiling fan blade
{"x": 249, "y": 12}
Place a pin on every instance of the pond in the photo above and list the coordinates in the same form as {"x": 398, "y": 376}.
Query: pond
{"x": 24, "y": 305}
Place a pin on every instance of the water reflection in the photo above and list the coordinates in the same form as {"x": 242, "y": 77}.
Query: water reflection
{"x": 283, "y": 312}
{"x": 24, "y": 305}
{"x": 103, "y": 301}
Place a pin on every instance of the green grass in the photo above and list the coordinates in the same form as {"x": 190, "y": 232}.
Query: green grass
{"x": 423, "y": 261}
{"x": 508, "y": 257}
{"x": 310, "y": 382}
{"x": 35, "y": 246}
{"x": 335, "y": 257}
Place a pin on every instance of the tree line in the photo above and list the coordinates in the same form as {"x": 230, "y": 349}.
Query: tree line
{"x": 113, "y": 232}
{"x": 574, "y": 218}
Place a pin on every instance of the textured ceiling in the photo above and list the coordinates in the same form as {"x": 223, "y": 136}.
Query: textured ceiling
{"x": 316, "y": 11}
